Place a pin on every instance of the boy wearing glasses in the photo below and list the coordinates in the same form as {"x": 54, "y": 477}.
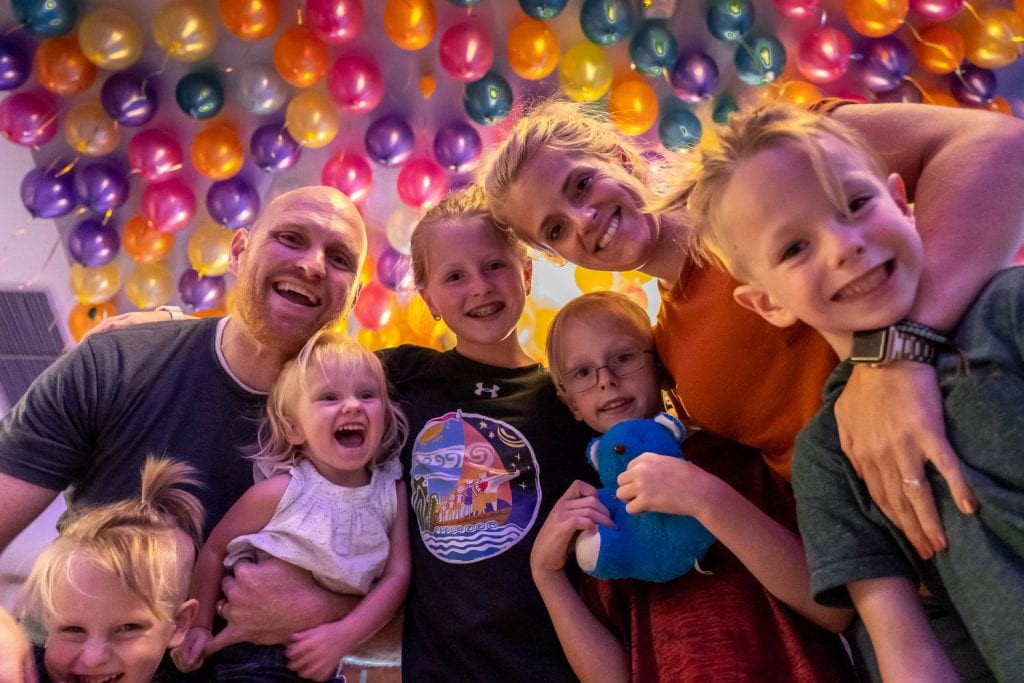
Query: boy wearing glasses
{"x": 749, "y": 616}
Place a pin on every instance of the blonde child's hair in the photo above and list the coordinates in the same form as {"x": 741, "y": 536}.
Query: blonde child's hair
{"x": 325, "y": 351}
{"x": 465, "y": 204}
{"x": 148, "y": 542}
{"x": 748, "y": 133}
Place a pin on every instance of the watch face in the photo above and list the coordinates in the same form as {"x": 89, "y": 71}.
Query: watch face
{"x": 869, "y": 346}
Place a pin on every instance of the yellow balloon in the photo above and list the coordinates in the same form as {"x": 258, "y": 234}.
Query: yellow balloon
{"x": 89, "y": 130}
{"x": 533, "y": 50}
{"x": 420, "y": 320}
{"x": 110, "y": 38}
{"x": 149, "y": 285}
{"x": 798, "y": 92}
{"x": 635, "y": 277}
{"x": 633, "y": 106}
{"x": 369, "y": 270}
{"x": 217, "y": 152}
{"x": 410, "y": 23}
{"x": 312, "y": 119}
{"x": 993, "y": 39}
{"x": 593, "y": 280}
{"x": 184, "y": 29}
{"x": 585, "y": 73}
{"x": 876, "y": 18}
{"x": 95, "y": 285}
{"x": 543, "y": 315}
{"x": 209, "y": 249}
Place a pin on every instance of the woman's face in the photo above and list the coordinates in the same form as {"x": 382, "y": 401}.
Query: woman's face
{"x": 583, "y": 209}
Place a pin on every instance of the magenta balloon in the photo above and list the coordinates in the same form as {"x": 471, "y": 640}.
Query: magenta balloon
{"x": 392, "y": 268}
{"x": 154, "y": 153}
{"x": 201, "y": 292}
{"x": 349, "y": 173}
{"x": 936, "y": 10}
{"x": 824, "y": 56}
{"x": 335, "y": 21}
{"x": 799, "y": 10}
{"x": 233, "y": 203}
{"x": 169, "y": 205}
{"x": 48, "y": 192}
{"x": 101, "y": 186}
{"x": 421, "y": 183}
{"x": 466, "y": 52}
{"x": 28, "y": 118}
{"x": 355, "y": 83}
{"x": 92, "y": 243}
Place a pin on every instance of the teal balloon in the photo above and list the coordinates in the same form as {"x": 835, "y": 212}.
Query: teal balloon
{"x": 200, "y": 95}
{"x": 679, "y": 128}
{"x": 543, "y": 9}
{"x": 724, "y": 105}
{"x": 730, "y": 20}
{"x": 488, "y": 100}
{"x": 653, "y": 49}
{"x": 760, "y": 61}
{"x": 47, "y": 18}
{"x": 606, "y": 21}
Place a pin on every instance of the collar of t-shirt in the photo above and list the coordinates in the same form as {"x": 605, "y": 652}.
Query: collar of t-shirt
{"x": 224, "y": 363}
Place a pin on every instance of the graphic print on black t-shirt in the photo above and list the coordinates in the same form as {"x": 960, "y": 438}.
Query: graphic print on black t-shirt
{"x": 474, "y": 486}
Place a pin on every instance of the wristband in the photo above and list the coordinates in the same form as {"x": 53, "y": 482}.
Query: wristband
{"x": 174, "y": 311}
{"x": 905, "y": 340}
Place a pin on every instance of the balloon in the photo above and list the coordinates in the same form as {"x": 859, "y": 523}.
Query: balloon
{"x": 399, "y": 226}
{"x": 28, "y": 118}
{"x": 143, "y": 242}
{"x": 89, "y": 130}
{"x": 84, "y": 317}
{"x": 101, "y": 186}
{"x": 15, "y": 64}
{"x": 798, "y": 10}
{"x": 233, "y": 203}
{"x": 47, "y": 18}
{"x": 217, "y": 152}
{"x": 543, "y": 9}
{"x": 428, "y": 84}
{"x": 349, "y": 173}
{"x": 885, "y": 63}
{"x": 457, "y": 146}
{"x": 942, "y": 99}
{"x": 356, "y": 83}
{"x": 653, "y": 48}
{"x": 273, "y": 149}
{"x": 694, "y": 76}
{"x": 533, "y": 50}
{"x": 392, "y": 268}
{"x": 994, "y": 39}
{"x": 129, "y": 99}
{"x": 489, "y": 99}
{"x": 169, "y": 204}
{"x": 593, "y": 280}
{"x": 389, "y": 141}
{"x": 974, "y": 85}
{"x": 185, "y": 30}
{"x": 48, "y": 192}
{"x": 875, "y": 18}
{"x": 940, "y": 50}
{"x": 155, "y": 153}
{"x": 730, "y": 20}
{"x": 824, "y": 56}
{"x": 110, "y": 38}
{"x": 760, "y": 61}
{"x": 94, "y": 285}
{"x": 92, "y": 243}
{"x": 369, "y": 268}
{"x": 373, "y": 307}
{"x": 633, "y": 106}
{"x": 148, "y": 285}
{"x": 335, "y": 21}
{"x": 724, "y": 105}
{"x": 300, "y": 57}
{"x": 585, "y": 74}
{"x": 464, "y": 3}
{"x": 606, "y": 21}
{"x": 1000, "y": 105}
{"x": 936, "y": 10}
{"x": 250, "y": 19}
{"x": 419, "y": 317}
{"x": 904, "y": 92}
{"x": 312, "y": 119}
{"x": 200, "y": 95}
{"x": 410, "y": 24}
{"x": 61, "y": 67}
{"x": 260, "y": 89}
{"x": 201, "y": 292}
{"x": 679, "y": 128}
{"x": 421, "y": 184}
{"x": 466, "y": 51}
{"x": 800, "y": 93}
{"x": 209, "y": 249}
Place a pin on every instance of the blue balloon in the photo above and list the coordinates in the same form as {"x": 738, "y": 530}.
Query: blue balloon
{"x": 974, "y": 86}
{"x": 389, "y": 141}
{"x": 48, "y": 192}
{"x": 606, "y": 21}
{"x": 488, "y": 100}
{"x": 101, "y": 186}
{"x": 679, "y": 128}
{"x": 92, "y": 243}
{"x": 129, "y": 98}
{"x": 543, "y": 9}
{"x": 760, "y": 61}
{"x": 730, "y": 20}
{"x": 273, "y": 148}
{"x": 653, "y": 48}
{"x": 885, "y": 63}
{"x": 464, "y": 3}
{"x": 233, "y": 203}
{"x": 15, "y": 63}
{"x": 47, "y": 18}
{"x": 694, "y": 76}
{"x": 724, "y": 105}
{"x": 457, "y": 146}
{"x": 200, "y": 95}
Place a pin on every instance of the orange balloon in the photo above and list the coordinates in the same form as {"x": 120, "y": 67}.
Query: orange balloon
{"x": 940, "y": 50}
{"x": 410, "y": 24}
{"x": 217, "y": 152}
{"x": 992, "y": 39}
{"x": 300, "y": 57}
{"x": 428, "y": 84}
{"x": 84, "y": 317}
{"x": 799, "y": 92}
{"x": 1000, "y": 105}
{"x": 90, "y": 131}
{"x": 876, "y": 18}
{"x": 941, "y": 99}
{"x": 143, "y": 242}
{"x": 633, "y": 106}
{"x": 533, "y": 50}
{"x": 250, "y": 19}
{"x": 62, "y": 67}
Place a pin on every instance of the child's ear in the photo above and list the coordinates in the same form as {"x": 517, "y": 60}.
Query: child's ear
{"x": 758, "y": 301}
{"x": 292, "y": 431}
{"x": 898, "y": 190}
{"x": 183, "y": 621}
{"x": 426, "y": 299}
{"x": 528, "y": 276}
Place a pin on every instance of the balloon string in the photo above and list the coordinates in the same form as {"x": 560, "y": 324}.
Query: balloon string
{"x": 298, "y": 13}
{"x": 163, "y": 65}
{"x": 35, "y": 278}
{"x": 973, "y": 12}
{"x": 16, "y": 27}
{"x": 924, "y": 93}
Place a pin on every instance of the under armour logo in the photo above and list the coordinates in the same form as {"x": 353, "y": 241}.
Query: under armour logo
{"x": 491, "y": 391}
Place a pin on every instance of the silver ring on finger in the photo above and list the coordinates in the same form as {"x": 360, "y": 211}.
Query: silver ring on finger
{"x": 913, "y": 483}
{"x": 220, "y": 608}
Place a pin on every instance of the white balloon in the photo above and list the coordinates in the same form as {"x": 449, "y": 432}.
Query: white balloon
{"x": 261, "y": 90}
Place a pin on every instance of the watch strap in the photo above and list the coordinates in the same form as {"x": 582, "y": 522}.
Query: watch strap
{"x": 910, "y": 340}
{"x": 174, "y": 311}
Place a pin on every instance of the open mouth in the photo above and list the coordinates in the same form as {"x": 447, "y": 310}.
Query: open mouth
{"x": 615, "y": 404}
{"x": 104, "y": 678}
{"x": 613, "y": 227}
{"x": 296, "y": 294}
{"x": 350, "y": 436}
{"x": 866, "y": 283}
{"x": 485, "y": 310}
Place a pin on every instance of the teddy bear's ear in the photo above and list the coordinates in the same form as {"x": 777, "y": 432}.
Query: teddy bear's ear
{"x": 592, "y": 452}
{"x": 674, "y": 426}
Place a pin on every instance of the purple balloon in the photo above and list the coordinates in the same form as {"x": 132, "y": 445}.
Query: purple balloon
{"x": 974, "y": 85}
{"x": 129, "y": 98}
{"x": 389, "y": 141}
{"x": 457, "y": 146}
{"x": 392, "y": 268}
{"x": 48, "y": 192}
{"x": 273, "y": 148}
{"x": 15, "y": 63}
{"x": 101, "y": 186}
{"x": 904, "y": 92}
{"x": 885, "y": 63}
{"x": 233, "y": 203}
{"x": 92, "y": 243}
{"x": 694, "y": 76}
{"x": 201, "y": 292}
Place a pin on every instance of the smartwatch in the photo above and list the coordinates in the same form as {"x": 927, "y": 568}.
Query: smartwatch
{"x": 173, "y": 311}
{"x": 905, "y": 340}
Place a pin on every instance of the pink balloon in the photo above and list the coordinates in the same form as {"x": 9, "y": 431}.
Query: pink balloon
{"x": 154, "y": 153}
{"x": 798, "y": 10}
{"x": 421, "y": 183}
{"x": 466, "y": 52}
{"x": 824, "y": 56}
{"x": 349, "y": 173}
{"x": 28, "y": 118}
{"x": 355, "y": 83}
{"x": 169, "y": 205}
{"x": 335, "y": 21}
{"x": 936, "y": 10}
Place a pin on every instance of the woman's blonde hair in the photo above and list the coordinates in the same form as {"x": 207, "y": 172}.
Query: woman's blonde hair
{"x": 148, "y": 542}
{"x": 326, "y": 352}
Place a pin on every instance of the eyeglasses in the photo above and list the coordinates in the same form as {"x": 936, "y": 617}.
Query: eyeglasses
{"x": 623, "y": 363}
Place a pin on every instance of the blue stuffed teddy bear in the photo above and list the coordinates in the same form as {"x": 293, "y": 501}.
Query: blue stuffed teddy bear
{"x": 649, "y": 546}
